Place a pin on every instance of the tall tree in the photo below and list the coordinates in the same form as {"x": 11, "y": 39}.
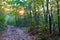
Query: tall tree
{"x": 58, "y": 15}
{"x": 50, "y": 17}
{"x": 47, "y": 1}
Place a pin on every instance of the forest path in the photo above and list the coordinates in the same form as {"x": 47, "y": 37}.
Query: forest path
{"x": 13, "y": 33}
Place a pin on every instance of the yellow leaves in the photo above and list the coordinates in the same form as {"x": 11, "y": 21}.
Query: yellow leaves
{"x": 21, "y": 12}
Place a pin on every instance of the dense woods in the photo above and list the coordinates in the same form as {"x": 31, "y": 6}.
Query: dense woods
{"x": 39, "y": 16}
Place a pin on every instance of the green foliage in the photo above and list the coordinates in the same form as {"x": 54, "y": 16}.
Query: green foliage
{"x": 2, "y": 22}
{"x": 2, "y": 18}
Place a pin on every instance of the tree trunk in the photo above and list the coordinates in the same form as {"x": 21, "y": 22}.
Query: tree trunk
{"x": 58, "y": 16}
{"x": 50, "y": 21}
{"x": 47, "y": 11}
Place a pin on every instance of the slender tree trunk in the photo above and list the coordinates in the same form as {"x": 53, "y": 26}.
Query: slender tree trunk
{"x": 50, "y": 21}
{"x": 58, "y": 16}
{"x": 47, "y": 11}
